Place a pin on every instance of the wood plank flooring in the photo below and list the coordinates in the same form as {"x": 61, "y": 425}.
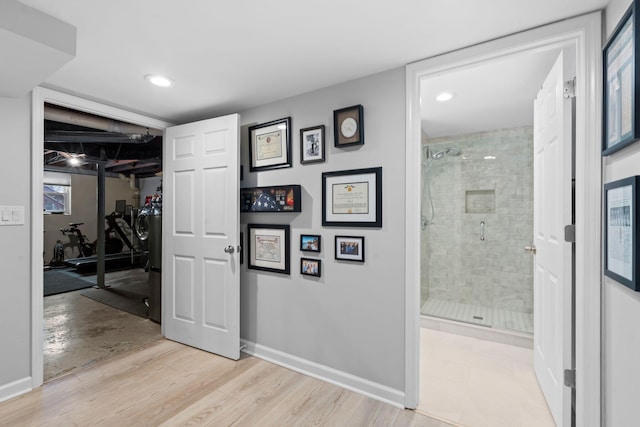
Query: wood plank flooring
{"x": 168, "y": 384}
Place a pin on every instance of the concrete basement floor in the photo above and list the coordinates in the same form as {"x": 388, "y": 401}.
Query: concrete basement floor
{"x": 79, "y": 331}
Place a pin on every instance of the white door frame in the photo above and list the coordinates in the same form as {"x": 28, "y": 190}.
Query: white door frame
{"x": 39, "y": 97}
{"x": 585, "y": 33}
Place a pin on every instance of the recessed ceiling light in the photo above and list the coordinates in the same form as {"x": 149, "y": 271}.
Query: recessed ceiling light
{"x": 159, "y": 80}
{"x": 444, "y": 96}
{"x": 489, "y": 157}
{"x": 74, "y": 161}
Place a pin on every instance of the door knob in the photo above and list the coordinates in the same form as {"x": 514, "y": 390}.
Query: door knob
{"x": 229, "y": 249}
{"x": 530, "y": 248}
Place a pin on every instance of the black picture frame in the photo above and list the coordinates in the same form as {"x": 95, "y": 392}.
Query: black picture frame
{"x": 263, "y": 155}
{"x": 310, "y": 242}
{"x": 349, "y": 248}
{"x": 621, "y": 231}
{"x": 311, "y": 267}
{"x": 352, "y": 198}
{"x": 275, "y": 198}
{"x": 621, "y": 65}
{"x": 268, "y": 248}
{"x": 312, "y": 145}
{"x": 348, "y": 126}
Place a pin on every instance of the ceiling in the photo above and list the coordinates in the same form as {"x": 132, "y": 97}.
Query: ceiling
{"x": 225, "y": 57}
{"x": 497, "y": 94}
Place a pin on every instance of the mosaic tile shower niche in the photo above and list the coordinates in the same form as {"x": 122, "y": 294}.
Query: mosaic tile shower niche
{"x": 477, "y": 217}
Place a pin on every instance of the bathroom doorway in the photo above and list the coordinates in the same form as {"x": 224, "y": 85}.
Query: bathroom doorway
{"x": 582, "y": 33}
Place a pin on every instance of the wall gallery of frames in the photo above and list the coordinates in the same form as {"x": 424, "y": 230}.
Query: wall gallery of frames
{"x": 350, "y": 198}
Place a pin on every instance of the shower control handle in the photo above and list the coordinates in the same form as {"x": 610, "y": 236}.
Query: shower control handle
{"x": 531, "y": 249}
{"x": 482, "y": 230}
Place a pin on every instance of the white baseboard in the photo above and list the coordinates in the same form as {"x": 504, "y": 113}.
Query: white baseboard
{"x": 350, "y": 382}
{"x": 15, "y": 388}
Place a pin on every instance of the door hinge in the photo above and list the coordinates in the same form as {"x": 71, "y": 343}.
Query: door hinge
{"x": 569, "y": 88}
{"x": 570, "y": 378}
{"x": 570, "y": 233}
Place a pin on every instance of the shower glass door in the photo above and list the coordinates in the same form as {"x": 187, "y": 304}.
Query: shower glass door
{"x": 477, "y": 215}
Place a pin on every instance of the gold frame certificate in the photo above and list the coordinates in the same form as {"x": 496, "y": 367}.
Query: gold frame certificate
{"x": 352, "y": 198}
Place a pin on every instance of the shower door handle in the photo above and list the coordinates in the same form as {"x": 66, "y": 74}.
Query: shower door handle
{"x": 482, "y": 230}
{"x": 531, "y": 249}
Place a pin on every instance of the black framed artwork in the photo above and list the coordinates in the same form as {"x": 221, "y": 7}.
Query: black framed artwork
{"x": 312, "y": 147}
{"x": 268, "y": 247}
{"x": 270, "y": 145}
{"x": 620, "y": 121}
{"x": 311, "y": 267}
{"x": 620, "y": 231}
{"x": 349, "y": 248}
{"x": 352, "y": 198}
{"x": 348, "y": 126}
{"x": 310, "y": 242}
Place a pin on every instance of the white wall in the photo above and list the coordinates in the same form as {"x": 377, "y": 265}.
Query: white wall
{"x": 620, "y": 305}
{"x": 351, "y": 319}
{"x": 15, "y": 247}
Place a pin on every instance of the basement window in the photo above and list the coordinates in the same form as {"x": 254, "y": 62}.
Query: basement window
{"x": 57, "y": 193}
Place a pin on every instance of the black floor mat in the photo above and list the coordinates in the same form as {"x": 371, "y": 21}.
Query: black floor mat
{"x": 128, "y": 297}
{"x": 61, "y": 281}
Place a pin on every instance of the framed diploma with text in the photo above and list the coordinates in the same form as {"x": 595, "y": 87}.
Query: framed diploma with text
{"x": 268, "y": 247}
{"x": 352, "y": 198}
{"x": 270, "y": 145}
{"x": 621, "y": 124}
{"x": 620, "y": 231}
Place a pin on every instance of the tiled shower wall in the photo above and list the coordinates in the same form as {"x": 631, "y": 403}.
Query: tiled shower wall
{"x": 466, "y": 190}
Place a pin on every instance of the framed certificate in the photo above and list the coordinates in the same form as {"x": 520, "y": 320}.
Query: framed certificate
{"x": 621, "y": 124}
{"x": 352, "y": 198}
{"x": 268, "y": 248}
{"x": 621, "y": 229}
{"x": 270, "y": 145}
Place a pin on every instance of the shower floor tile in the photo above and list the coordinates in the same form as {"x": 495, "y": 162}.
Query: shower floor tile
{"x": 479, "y": 315}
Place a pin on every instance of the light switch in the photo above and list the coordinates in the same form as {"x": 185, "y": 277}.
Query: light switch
{"x": 12, "y": 215}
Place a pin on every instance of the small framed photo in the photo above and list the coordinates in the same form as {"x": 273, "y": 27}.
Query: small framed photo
{"x": 352, "y": 198}
{"x": 268, "y": 247}
{"x": 620, "y": 231}
{"x": 270, "y": 145}
{"x": 310, "y": 267}
{"x": 310, "y": 242}
{"x": 348, "y": 126}
{"x": 312, "y": 145}
{"x": 621, "y": 60}
{"x": 350, "y": 248}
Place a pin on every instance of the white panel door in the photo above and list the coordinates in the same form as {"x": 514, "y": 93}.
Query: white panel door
{"x": 201, "y": 228}
{"x": 552, "y": 266}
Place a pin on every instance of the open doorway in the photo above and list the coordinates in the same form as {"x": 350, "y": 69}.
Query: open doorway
{"x": 583, "y": 34}
{"x": 84, "y": 323}
{"x": 477, "y": 217}
{"x": 81, "y": 329}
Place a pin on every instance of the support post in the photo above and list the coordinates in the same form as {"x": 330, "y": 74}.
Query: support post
{"x": 100, "y": 248}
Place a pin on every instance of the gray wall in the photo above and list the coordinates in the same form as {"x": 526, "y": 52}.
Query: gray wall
{"x": 352, "y": 318}
{"x": 15, "y": 246}
{"x": 620, "y": 306}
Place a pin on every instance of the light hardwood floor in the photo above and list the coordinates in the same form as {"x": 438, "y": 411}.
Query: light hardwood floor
{"x": 168, "y": 384}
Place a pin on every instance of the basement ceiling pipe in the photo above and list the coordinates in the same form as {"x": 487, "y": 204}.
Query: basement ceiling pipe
{"x": 95, "y": 122}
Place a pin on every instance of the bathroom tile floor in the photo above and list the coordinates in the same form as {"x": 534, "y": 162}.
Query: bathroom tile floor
{"x": 476, "y": 383}
{"x": 470, "y": 313}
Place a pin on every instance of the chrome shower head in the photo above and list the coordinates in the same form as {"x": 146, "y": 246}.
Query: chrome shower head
{"x": 453, "y": 152}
